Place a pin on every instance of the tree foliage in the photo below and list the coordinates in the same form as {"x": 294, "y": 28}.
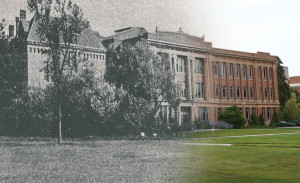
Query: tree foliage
{"x": 253, "y": 119}
{"x": 283, "y": 87}
{"x": 59, "y": 22}
{"x": 147, "y": 81}
{"x": 233, "y": 116}
{"x": 291, "y": 109}
{"x": 261, "y": 119}
{"x": 275, "y": 119}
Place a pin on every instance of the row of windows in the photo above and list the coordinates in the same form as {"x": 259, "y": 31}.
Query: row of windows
{"x": 253, "y": 111}
{"x": 181, "y": 64}
{"x": 237, "y": 71}
{"x": 239, "y": 94}
{"x": 199, "y": 90}
{"x": 85, "y": 55}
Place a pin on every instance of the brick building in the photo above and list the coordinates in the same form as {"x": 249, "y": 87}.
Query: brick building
{"x": 212, "y": 79}
{"x": 294, "y": 82}
{"x": 87, "y": 46}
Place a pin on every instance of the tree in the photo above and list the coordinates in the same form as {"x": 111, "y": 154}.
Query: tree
{"x": 261, "y": 119}
{"x": 291, "y": 109}
{"x": 275, "y": 119}
{"x": 59, "y": 22}
{"x": 283, "y": 87}
{"x": 147, "y": 81}
{"x": 233, "y": 116}
{"x": 294, "y": 90}
{"x": 254, "y": 119}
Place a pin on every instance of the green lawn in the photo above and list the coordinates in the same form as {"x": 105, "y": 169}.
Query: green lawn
{"x": 235, "y": 132}
{"x": 249, "y": 159}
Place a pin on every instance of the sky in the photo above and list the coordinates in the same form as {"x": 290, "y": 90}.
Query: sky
{"x": 245, "y": 25}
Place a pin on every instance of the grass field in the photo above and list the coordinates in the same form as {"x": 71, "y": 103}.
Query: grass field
{"x": 266, "y": 158}
{"x": 42, "y": 160}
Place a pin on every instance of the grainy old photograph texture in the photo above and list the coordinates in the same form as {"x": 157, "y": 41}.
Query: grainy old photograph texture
{"x": 148, "y": 91}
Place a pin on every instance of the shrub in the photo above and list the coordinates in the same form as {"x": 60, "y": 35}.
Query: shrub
{"x": 221, "y": 125}
{"x": 233, "y": 116}
{"x": 202, "y": 124}
{"x": 275, "y": 119}
{"x": 253, "y": 119}
{"x": 261, "y": 119}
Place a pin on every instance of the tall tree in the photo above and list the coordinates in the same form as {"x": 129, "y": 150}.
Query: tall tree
{"x": 147, "y": 80}
{"x": 59, "y": 22}
{"x": 291, "y": 109}
{"x": 283, "y": 86}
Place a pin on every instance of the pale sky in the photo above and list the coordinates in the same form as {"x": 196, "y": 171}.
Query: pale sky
{"x": 244, "y": 25}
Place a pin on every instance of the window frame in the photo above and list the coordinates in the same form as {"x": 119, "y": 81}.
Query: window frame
{"x": 250, "y": 73}
{"x": 217, "y": 92}
{"x": 244, "y": 71}
{"x": 223, "y": 70}
{"x": 238, "y": 92}
{"x": 216, "y": 69}
{"x": 224, "y": 91}
{"x": 237, "y": 71}
{"x": 245, "y": 92}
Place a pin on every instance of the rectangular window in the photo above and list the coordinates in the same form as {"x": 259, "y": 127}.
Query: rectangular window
{"x": 247, "y": 113}
{"x": 237, "y": 72}
{"x": 245, "y": 92}
{"x": 46, "y": 72}
{"x": 231, "y": 93}
{"x": 263, "y": 112}
{"x": 199, "y": 66}
{"x": 204, "y": 113}
{"x": 238, "y": 92}
{"x": 173, "y": 63}
{"x": 269, "y": 113}
{"x": 250, "y": 72}
{"x": 182, "y": 91}
{"x": 200, "y": 90}
{"x": 272, "y": 97}
{"x": 230, "y": 70}
{"x": 253, "y": 110}
{"x": 261, "y": 93}
{"x": 223, "y": 70}
{"x": 266, "y": 93}
{"x": 217, "y": 92}
{"x": 180, "y": 64}
{"x": 270, "y": 73}
{"x": 244, "y": 72}
{"x": 265, "y": 74}
{"x": 224, "y": 92}
{"x": 216, "y": 69}
{"x": 259, "y": 73}
{"x": 251, "y": 93}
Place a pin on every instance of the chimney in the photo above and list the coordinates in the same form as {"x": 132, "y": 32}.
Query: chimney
{"x": 22, "y": 15}
{"x": 17, "y": 25}
{"x": 180, "y": 30}
{"x": 11, "y": 31}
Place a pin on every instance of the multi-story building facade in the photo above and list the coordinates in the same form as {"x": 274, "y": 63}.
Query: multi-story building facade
{"x": 212, "y": 79}
{"x": 87, "y": 50}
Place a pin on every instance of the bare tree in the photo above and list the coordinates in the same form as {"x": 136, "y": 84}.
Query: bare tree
{"x": 59, "y": 22}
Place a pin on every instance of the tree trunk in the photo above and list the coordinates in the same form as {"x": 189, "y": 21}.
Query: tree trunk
{"x": 59, "y": 124}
